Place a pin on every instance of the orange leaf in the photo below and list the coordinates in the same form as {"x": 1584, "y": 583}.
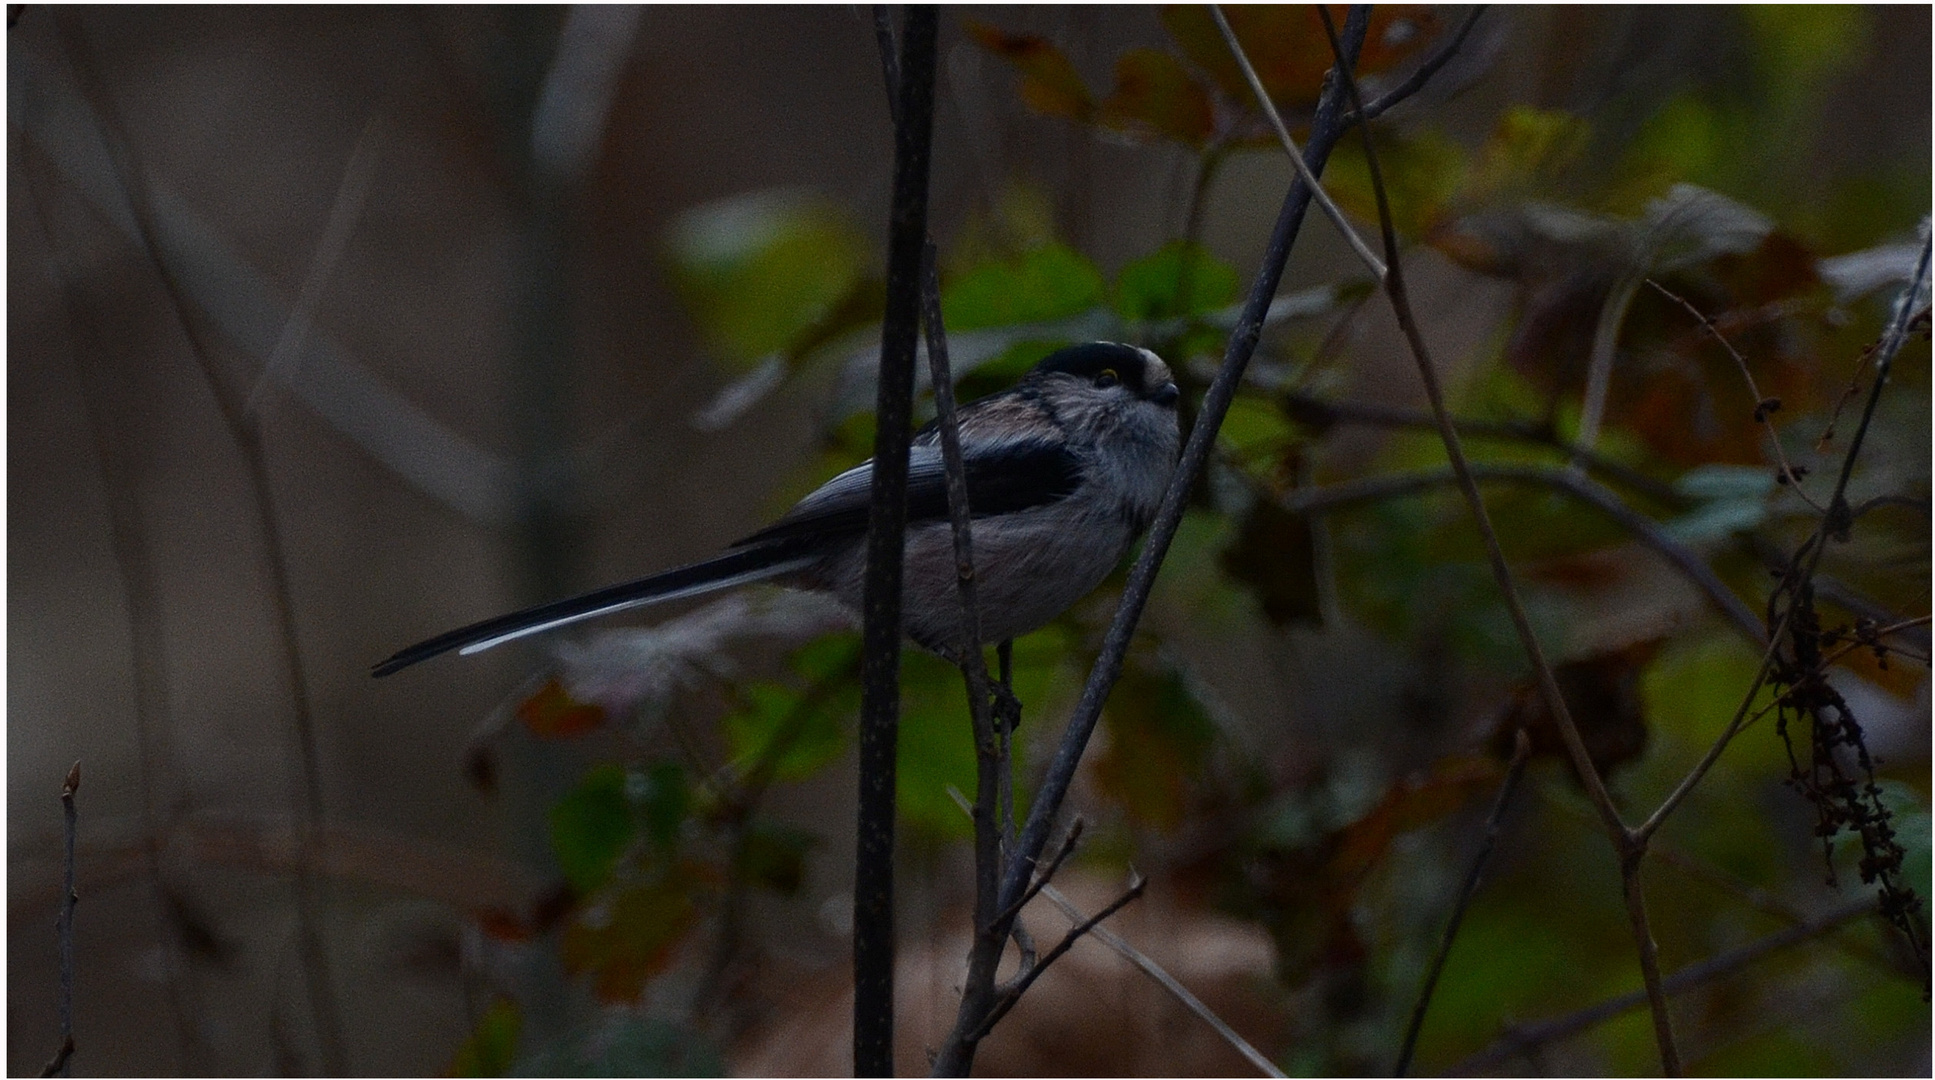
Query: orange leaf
{"x": 552, "y": 713}
{"x": 1287, "y": 46}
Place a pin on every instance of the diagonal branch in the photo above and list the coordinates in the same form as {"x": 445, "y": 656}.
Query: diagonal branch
{"x": 1304, "y": 174}
{"x": 1326, "y": 130}
{"x": 1425, "y": 71}
{"x": 1521, "y": 753}
{"x": 1027, "y": 978}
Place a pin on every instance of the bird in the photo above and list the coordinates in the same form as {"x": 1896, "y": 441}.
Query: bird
{"x": 1064, "y": 470}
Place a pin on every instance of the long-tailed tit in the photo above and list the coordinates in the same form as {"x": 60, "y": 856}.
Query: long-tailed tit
{"x": 1064, "y": 470}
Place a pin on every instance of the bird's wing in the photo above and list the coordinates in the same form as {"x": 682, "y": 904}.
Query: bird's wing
{"x": 1002, "y": 478}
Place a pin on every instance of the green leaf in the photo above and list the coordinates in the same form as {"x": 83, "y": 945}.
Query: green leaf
{"x": 591, "y": 827}
{"x": 1179, "y": 279}
{"x": 492, "y": 1045}
{"x": 759, "y": 271}
{"x": 1048, "y": 282}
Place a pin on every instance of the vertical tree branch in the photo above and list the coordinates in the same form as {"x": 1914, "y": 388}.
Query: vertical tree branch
{"x": 873, "y": 928}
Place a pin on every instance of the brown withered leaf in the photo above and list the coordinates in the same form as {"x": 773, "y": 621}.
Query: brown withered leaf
{"x": 1275, "y": 555}
{"x": 1049, "y": 82}
{"x": 1603, "y": 695}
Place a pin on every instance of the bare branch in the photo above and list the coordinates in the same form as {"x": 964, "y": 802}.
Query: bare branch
{"x": 1326, "y": 130}
{"x": 1810, "y": 553}
{"x": 1165, "y": 980}
{"x": 64, "y": 925}
{"x": 1028, "y": 977}
{"x": 1764, "y": 407}
{"x": 1425, "y": 71}
{"x": 1521, "y": 753}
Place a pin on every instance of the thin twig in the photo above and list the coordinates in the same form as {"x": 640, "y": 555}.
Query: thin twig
{"x": 1528, "y": 1037}
{"x": 873, "y": 916}
{"x": 1764, "y": 407}
{"x": 1047, "y": 873}
{"x": 1521, "y": 753}
{"x": 64, "y": 925}
{"x": 1628, "y": 851}
{"x": 1425, "y": 71}
{"x": 1165, "y": 980}
{"x": 147, "y": 644}
{"x": 1216, "y": 402}
{"x": 247, "y": 436}
{"x": 1075, "y": 933}
{"x": 1129, "y": 952}
{"x": 1309, "y": 178}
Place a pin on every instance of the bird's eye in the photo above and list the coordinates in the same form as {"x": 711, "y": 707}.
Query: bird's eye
{"x": 1106, "y": 379}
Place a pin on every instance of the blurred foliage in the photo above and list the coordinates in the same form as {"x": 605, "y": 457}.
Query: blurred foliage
{"x": 1347, "y": 855}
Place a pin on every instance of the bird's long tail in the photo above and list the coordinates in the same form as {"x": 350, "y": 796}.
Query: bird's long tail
{"x": 737, "y": 567}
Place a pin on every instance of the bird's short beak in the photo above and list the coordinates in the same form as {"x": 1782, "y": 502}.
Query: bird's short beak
{"x": 1166, "y": 394}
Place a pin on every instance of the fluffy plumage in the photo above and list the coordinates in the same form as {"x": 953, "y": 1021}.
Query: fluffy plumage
{"x": 1064, "y": 470}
